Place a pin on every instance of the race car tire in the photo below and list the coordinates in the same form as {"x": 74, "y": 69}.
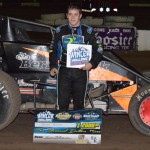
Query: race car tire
{"x": 139, "y": 110}
{"x": 10, "y": 100}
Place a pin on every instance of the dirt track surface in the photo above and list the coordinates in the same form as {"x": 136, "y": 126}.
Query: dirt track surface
{"x": 117, "y": 134}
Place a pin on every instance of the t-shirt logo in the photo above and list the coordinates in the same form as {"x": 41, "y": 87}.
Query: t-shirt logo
{"x": 68, "y": 39}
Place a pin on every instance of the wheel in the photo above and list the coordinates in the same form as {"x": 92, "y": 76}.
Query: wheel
{"x": 10, "y": 99}
{"x": 139, "y": 110}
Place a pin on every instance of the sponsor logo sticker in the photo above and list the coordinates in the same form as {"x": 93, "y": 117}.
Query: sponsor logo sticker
{"x": 46, "y": 116}
{"x": 91, "y": 116}
{"x": 77, "y": 116}
{"x": 63, "y": 116}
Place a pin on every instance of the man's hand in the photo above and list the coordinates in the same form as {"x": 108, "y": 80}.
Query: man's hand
{"x": 53, "y": 72}
{"x": 87, "y": 66}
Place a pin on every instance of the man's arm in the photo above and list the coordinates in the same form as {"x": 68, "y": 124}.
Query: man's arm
{"x": 54, "y": 52}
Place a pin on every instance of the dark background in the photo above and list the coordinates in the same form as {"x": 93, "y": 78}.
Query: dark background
{"x": 15, "y": 8}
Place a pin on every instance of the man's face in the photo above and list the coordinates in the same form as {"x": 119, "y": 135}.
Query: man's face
{"x": 74, "y": 17}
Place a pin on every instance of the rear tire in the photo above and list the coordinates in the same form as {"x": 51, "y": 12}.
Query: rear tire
{"x": 10, "y": 99}
{"x": 139, "y": 110}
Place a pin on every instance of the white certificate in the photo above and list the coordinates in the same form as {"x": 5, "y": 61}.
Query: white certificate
{"x": 78, "y": 54}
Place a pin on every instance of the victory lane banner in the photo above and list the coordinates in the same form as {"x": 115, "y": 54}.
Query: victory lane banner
{"x": 70, "y": 127}
{"x": 77, "y": 54}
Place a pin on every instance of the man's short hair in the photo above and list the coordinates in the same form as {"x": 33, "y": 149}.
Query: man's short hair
{"x": 74, "y": 6}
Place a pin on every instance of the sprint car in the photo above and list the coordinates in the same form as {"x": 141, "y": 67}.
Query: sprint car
{"x": 25, "y": 84}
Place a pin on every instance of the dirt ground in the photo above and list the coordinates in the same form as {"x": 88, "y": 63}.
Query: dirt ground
{"x": 117, "y": 134}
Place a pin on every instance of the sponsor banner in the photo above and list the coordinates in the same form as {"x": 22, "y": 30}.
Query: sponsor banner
{"x": 71, "y": 127}
{"x": 116, "y": 38}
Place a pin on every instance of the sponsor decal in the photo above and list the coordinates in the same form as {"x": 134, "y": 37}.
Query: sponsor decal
{"x": 27, "y": 62}
{"x": 63, "y": 116}
{"x": 76, "y": 131}
{"x": 21, "y": 83}
{"x": 50, "y": 130}
{"x": 51, "y": 81}
{"x": 95, "y": 131}
{"x": 90, "y": 125}
{"x": 67, "y": 39}
{"x": 91, "y": 116}
{"x": 94, "y": 140}
{"x": 3, "y": 91}
{"x": 22, "y": 56}
{"x": 46, "y": 116}
{"x": 52, "y": 84}
{"x": 142, "y": 94}
{"x": 81, "y": 139}
{"x": 77, "y": 116}
{"x": 29, "y": 91}
{"x": 81, "y": 136}
{"x": 38, "y": 137}
{"x": 56, "y": 137}
{"x": 26, "y": 88}
{"x": 104, "y": 64}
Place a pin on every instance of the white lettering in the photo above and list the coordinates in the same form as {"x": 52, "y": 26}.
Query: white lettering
{"x": 4, "y": 92}
{"x": 122, "y": 41}
{"x": 34, "y": 64}
{"x": 127, "y": 30}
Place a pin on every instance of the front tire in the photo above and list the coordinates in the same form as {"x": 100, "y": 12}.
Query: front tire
{"x": 10, "y": 99}
{"x": 139, "y": 110}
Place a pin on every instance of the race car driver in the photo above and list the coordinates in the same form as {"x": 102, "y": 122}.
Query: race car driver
{"x": 72, "y": 82}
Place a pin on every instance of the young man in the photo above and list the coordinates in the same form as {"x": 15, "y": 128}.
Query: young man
{"x": 72, "y": 82}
